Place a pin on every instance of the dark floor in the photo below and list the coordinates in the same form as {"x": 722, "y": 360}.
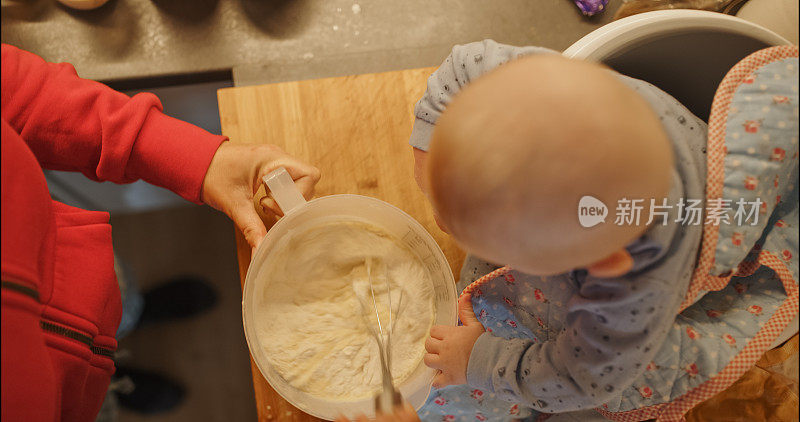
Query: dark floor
{"x": 208, "y": 354}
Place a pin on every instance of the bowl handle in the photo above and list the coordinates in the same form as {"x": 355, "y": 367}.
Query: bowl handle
{"x": 283, "y": 190}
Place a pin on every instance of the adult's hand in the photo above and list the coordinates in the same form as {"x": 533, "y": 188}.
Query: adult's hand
{"x": 234, "y": 176}
{"x": 404, "y": 413}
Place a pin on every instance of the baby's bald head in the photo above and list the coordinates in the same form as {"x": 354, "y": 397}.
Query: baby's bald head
{"x": 516, "y": 150}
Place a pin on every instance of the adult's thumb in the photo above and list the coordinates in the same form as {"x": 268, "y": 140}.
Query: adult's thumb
{"x": 246, "y": 218}
{"x": 465, "y": 312}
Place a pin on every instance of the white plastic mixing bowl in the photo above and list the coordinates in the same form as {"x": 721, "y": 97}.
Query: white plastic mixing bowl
{"x": 299, "y": 213}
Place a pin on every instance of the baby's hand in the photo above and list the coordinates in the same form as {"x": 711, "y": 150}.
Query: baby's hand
{"x": 449, "y": 347}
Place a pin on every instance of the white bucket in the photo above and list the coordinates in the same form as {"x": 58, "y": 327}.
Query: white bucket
{"x": 299, "y": 213}
{"x": 684, "y": 52}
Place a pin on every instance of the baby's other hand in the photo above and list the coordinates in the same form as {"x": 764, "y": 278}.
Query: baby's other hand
{"x": 421, "y": 176}
{"x": 449, "y": 348}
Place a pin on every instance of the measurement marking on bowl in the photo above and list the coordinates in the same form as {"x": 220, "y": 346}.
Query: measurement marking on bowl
{"x": 413, "y": 240}
{"x": 432, "y": 263}
{"x": 441, "y": 294}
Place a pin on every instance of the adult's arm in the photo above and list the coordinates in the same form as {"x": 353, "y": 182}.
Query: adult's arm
{"x": 75, "y": 124}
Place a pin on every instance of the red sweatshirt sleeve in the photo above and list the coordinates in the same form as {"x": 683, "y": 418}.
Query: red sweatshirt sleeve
{"x": 76, "y": 124}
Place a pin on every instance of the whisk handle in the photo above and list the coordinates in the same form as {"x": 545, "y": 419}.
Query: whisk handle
{"x": 387, "y": 401}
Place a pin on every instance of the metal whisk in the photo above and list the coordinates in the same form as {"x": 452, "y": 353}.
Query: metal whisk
{"x": 389, "y": 397}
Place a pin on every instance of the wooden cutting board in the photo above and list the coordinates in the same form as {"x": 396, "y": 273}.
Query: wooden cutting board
{"x": 355, "y": 129}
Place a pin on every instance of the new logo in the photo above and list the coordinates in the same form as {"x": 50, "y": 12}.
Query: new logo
{"x": 591, "y": 211}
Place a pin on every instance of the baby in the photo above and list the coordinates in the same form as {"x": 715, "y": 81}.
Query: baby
{"x": 585, "y": 309}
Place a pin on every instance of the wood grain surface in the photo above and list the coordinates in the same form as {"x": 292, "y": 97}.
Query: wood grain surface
{"x": 355, "y": 129}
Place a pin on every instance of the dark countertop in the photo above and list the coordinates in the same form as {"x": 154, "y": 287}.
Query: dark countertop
{"x": 261, "y": 41}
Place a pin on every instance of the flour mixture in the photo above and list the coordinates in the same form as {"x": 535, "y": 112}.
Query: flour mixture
{"x": 310, "y": 320}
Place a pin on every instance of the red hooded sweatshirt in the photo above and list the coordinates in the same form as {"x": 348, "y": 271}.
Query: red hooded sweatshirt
{"x": 60, "y": 299}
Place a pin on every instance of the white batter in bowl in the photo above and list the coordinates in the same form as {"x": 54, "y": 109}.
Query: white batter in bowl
{"x": 310, "y": 321}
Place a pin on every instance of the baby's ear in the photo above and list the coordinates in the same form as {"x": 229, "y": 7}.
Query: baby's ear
{"x": 615, "y": 265}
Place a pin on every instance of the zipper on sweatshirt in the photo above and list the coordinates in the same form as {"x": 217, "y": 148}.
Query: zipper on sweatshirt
{"x": 21, "y": 288}
{"x": 58, "y": 329}
{"x": 77, "y": 336}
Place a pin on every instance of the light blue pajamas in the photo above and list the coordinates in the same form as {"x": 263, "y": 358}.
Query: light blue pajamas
{"x": 571, "y": 341}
